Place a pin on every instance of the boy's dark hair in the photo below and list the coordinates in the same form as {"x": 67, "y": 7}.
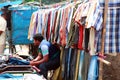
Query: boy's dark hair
{"x": 38, "y": 37}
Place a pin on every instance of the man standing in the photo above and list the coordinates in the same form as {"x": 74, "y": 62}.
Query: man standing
{"x": 48, "y": 55}
{"x": 3, "y": 25}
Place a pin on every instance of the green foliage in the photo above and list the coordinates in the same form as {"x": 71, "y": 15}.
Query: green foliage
{"x": 28, "y": 0}
{"x": 49, "y": 1}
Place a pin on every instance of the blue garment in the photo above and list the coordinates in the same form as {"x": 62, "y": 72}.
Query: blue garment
{"x": 67, "y": 63}
{"x": 69, "y": 59}
{"x": 81, "y": 65}
{"x": 70, "y": 63}
{"x": 16, "y": 61}
{"x": 97, "y": 18}
{"x": 93, "y": 71}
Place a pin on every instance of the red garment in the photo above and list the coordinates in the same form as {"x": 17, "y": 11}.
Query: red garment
{"x": 63, "y": 27}
{"x": 80, "y": 40}
{"x": 53, "y": 27}
{"x": 48, "y": 27}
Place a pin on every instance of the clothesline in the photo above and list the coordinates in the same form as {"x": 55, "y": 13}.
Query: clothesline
{"x": 52, "y": 12}
{"x": 64, "y": 33}
{"x": 87, "y": 16}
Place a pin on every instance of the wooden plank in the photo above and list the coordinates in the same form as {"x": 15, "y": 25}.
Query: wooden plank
{"x": 16, "y": 68}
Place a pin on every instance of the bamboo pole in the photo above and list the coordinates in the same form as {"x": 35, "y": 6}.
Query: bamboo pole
{"x": 77, "y": 66}
{"x": 103, "y": 39}
{"x": 40, "y": 2}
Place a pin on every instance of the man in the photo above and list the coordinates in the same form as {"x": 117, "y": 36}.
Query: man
{"x": 48, "y": 57}
{"x": 3, "y": 25}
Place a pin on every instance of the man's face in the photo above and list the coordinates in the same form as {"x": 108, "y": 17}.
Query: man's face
{"x": 36, "y": 42}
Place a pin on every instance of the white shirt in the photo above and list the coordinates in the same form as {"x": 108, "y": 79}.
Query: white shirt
{"x": 3, "y": 25}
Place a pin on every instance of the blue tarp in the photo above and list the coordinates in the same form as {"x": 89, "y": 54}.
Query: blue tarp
{"x": 0, "y": 12}
{"x": 10, "y": 3}
{"x": 7, "y": 76}
{"x": 20, "y": 24}
{"x": 20, "y": 21}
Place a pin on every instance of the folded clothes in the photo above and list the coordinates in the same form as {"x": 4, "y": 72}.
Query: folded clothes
{"x": 2, "y": 61}
{"x": 7, "y": 76}
{"x": 2, "y": 65}
{"x": 16, "y": 61}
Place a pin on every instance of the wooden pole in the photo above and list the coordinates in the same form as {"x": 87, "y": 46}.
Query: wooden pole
{"x": 40, "y": 2}
{"x": 103, "y": 39}
{"x": 77, "y": 66}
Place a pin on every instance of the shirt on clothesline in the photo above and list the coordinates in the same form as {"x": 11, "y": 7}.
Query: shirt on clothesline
{"x": 53, "y": 24}
{"x": 88, "y": 15}
{"x": 112, "y": 34}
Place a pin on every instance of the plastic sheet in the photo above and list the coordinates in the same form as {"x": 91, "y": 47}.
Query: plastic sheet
{"x": 20, "y": 24}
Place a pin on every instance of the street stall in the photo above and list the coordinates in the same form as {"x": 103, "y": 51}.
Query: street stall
{"x": 85, "y": 30}
{"x": 10, "y": 63}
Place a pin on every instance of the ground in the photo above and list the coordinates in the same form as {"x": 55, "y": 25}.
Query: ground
{"x": 112, "y": 72}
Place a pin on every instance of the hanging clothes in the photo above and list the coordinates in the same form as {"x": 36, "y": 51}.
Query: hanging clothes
{"x": 89, "y": 15}
{"x": 32, "y": 24}
{"x": 92, "y": 49}
{"x": 80, "y": 77}
{"x": 112, "y": 35}
{"x": 84, "y": 63}
{"x": 57, "y": 28}
{"x": 48, "y": 27}
{"x": 53, "y": 24}
{"x": 93, "y": 69}
{"x": 63, "y": 26}
{"x": 73, "y": 36}
{"x": 81, "y": 34}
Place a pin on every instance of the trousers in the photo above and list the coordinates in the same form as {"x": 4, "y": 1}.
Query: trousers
{"x": 50, "y": 65}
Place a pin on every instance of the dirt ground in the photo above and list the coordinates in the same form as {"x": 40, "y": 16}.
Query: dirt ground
{"x": 112, "y": 72}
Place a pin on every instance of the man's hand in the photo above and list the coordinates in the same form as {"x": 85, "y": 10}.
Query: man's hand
{"x": 34, "y": 67}
{"x": 44, "y": 59}
{"x": 32, "y": 63}
{"x": 34, "y": 60}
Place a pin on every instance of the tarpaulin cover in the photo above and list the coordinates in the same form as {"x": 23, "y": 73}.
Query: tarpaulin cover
{"x": 5, "y": 3}
{"x": 20, "y": 24}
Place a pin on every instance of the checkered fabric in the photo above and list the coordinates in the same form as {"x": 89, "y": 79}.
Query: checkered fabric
{"x": 112, "y": 35}
{"x": 97, "y": 18}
